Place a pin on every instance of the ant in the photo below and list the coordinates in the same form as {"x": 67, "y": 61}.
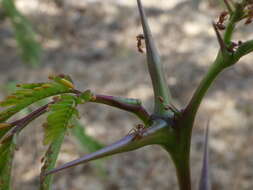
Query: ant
{"x": 234, "y": 46}
{"x": 139, "y": 39}
{"x": 250, "y": 14}
{"x": 220, "y": 24}
{"x": 138, "y": 131}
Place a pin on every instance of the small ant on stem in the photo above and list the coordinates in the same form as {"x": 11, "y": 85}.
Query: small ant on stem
{"x": 138, "y": 131}
{"x": 139, "y": 39}
{"x": 250, "y": 14}
{"x": 220, "y": 24}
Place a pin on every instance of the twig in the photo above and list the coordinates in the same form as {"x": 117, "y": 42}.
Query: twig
{"x": 121, "y": 103}
{"x": 23, "y": 122}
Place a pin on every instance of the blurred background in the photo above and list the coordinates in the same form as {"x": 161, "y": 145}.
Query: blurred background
{"x": 94, "y": 41}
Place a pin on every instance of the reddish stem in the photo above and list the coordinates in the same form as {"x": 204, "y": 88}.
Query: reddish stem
{"x": 22, "y": 123}
{"x": 113, "y": 101}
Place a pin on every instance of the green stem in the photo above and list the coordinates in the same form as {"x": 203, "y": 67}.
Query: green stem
{"x": 229, "y": 31}
{"x": 235, "y": 17}
{"x": 206, "y": 82}
{"x": 183, "y": 175}
{"x": 243, "y": 49}
{"x": 181, "y": 159}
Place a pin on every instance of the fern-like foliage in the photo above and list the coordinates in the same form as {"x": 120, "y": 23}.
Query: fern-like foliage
{"x": 6, "y": 157}
{"x": 22, "y": 98}
{"x": 31, "y": 93}
{"x": 60, "y": 115}
{"x": 57, "y": 122}
{"x": 25, "y": 36}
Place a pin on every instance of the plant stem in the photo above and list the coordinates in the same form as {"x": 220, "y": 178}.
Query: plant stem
{"x": 136, "y": 109}
{"x": 183, "y": 175}
{"x": 131, "y": 105}
{"x": 23, "y": 122}
{"x": 243, "y": 49}
{"x": 235, "y": 17}
{"x": 181, "y": 161}
{"x": 215, "y": 69}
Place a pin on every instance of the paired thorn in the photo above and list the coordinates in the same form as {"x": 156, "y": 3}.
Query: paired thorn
{"x": 224, "y": 48}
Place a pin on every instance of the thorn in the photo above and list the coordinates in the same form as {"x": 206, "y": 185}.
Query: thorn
{"x": 204, "y": 183}
{"x": 151, "y": 49}
{"x": 222, "y": 44}
{"x": 230, "y": 10}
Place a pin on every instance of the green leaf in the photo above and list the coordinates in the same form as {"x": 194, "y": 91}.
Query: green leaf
{"x": 29, "y": 94}
{"x": 59, "y": 117}
{"x": 6, "y": 157}
{"x": 55, "y": 129}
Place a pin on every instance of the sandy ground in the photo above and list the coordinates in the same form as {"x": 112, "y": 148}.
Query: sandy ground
{"x": 94, "y": 42}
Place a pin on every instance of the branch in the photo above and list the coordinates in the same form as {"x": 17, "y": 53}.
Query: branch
{"x": 126, "y": 104}
{"x": 22, "y": 123}
{"x": 243, "y": 49}
{"x": 224, "y": 59}
{"x": 234, "y": 18}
